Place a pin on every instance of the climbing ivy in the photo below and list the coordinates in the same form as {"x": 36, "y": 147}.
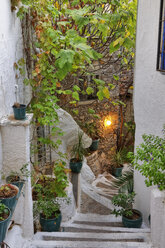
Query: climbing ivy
{"x": 67, "y": 37}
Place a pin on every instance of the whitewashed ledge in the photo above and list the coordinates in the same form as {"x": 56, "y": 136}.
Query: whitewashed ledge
{"x": 15, "y": 138}
{"x": 10, "y": 120}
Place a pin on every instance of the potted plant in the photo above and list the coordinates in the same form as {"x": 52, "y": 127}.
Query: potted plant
{"x": 125, "y": 183}
{"x": 130, "y": 217}
{"x": 9, "y": 195}
{"x": 91, "y": 129}
{"x": 49, "y": 209}
{"x": 19, "y": 111}
{"x": 149, "y": 159}
{"x": 50, "y": 216}
{"x": 18, "y": 178}
{"x": 77, "y": 153}
{"x": 48, "y": 190}
{"x": 5, "y": 216}
{"x": 118, "y": 160}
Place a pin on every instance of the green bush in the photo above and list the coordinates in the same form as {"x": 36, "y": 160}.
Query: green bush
{"x": 125, "y": 202}
{"x": 149, "y": 160}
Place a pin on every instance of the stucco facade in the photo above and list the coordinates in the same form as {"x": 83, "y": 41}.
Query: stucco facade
{"x": 149, "y": 88}
{"x": 11, "y": 88}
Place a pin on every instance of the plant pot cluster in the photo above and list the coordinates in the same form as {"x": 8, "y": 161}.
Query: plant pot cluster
{"x": 46, "y": 192}
{"x": 9, "y": 195}
{"x": 8, "y": 201}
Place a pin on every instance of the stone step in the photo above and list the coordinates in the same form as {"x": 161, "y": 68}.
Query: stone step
{"x": 114, "y": 224}
{"x": 70, "y": 236}
{"x": 97, "y": 218}
{"x": 72, "y": 227}
{"x": 87, "y": 244}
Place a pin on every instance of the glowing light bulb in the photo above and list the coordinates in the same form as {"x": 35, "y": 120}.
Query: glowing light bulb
{"x": 107, "y": 122}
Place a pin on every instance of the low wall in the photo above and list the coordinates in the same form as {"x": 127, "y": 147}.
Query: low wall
{"x": 158, "y": 218}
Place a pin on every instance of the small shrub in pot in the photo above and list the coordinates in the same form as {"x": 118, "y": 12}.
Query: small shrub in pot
{"x": 124, "y": 203}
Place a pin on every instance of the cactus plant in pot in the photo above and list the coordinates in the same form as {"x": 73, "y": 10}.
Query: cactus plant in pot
{"x": 5, "y": 216}
{"x": 77, "y": 153}
{"x": 130, "y": 217}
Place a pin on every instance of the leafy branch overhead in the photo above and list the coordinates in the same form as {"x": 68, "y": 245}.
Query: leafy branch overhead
{"x": 70, "y": 35}
{"x": 65, "y": 39}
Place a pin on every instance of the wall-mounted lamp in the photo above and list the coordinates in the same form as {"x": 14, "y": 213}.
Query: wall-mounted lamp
{"x": 107, "y": 122}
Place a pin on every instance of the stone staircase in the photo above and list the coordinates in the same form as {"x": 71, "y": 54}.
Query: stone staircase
{"x": 93, "y": 231}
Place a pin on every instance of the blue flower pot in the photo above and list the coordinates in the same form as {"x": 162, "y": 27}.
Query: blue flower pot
{"x": 20, "y": 113}
{"x": 94, "y": 145}
{"x": 133, "y": 223}
{"x": 117, "y": 172}
{"x": 11, "y": 201}
{"x": 19, "y": 184}
{"x": 75, "y": 166}
{"x": 51, "y": 225}
{"x": 4, "y": 225}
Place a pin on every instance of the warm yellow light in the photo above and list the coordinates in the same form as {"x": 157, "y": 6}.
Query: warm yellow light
{"x": 107, "y": 122}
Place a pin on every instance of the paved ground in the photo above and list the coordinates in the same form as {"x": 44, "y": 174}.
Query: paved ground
{"x": 88, "y": 205}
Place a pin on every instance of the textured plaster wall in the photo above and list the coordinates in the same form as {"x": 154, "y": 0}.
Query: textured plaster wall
{"x": 10, "y": 52}
{"x": 149, "y": 88}
{"x": 158, "y": 218}
{"x": 16, "y": 153}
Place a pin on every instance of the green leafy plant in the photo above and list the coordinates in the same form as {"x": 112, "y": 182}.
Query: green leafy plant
{"x": 124, "y": 183}
{"x": 49, "y": 189}
{"x": 68, "y": 36}
{"x": 3, "y": 211}
{"x": 78, "y": 149}
{"x": 119, "y": 158}
{"x": 61, "y": 180}
{"x": 125, "y": 202}
{"x": 91, "y": 129}
{"x": 149, "y": 160}
{"x": 22, "y": 175}
{"x": 46, "y": 203}
{"x": 49, "y": 208}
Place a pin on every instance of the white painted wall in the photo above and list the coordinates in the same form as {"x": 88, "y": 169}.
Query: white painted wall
{"x": 149, "y": 88}
{"x": 10, "y": 52}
